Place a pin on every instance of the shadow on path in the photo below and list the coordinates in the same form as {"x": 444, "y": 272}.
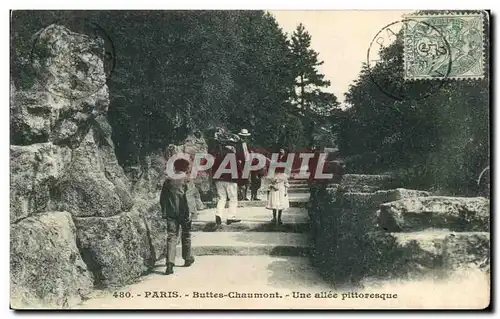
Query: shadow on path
{"x": 296, "y": 274}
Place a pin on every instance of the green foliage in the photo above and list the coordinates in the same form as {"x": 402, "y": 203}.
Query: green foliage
{"x": 308, "y": 100}
{"x": 348, "y": 247}
{"x": 177, "y": 71}
{"x": 440, "y": 142}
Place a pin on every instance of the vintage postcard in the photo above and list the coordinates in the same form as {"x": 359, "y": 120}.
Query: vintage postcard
{"x": 243, "y": 159}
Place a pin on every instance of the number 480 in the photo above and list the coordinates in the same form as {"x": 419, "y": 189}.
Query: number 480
{"x": 122, "y": 294}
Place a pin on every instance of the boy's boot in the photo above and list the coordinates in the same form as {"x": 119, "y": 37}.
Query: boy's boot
{"x": 189, "y": 261}
{"x": 170, "y": 269}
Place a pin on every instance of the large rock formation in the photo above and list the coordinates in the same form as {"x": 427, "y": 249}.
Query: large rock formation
{"x": 63, "y": 159}
{"x": 454, "y": 213}
{"x": 88, "y": 188}
{"x": 116, "y": 249}
{"x": 155, "y": 226}
{"x": 46, "y": 267}
{"x": 70, "y": 90}
{"x": 365, "y": 229}
{"x": 34, "y": 169}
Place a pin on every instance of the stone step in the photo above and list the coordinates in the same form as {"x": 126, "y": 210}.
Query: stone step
{"x": 255, "y": 219}
{"x": 372, "y": 201}
{"x": 364, "y": 179}
{"x": 249, "y": 244}
{"x": 298, "y": 185}
{"x": 367, "y": 183}
{"x": 296, "y": 200}
{"x": 305, "y": 183}
{"x": 298, "y": 190}
{"x": 298, "y": 181}
{"x": 252, "y": 226}
{"x": 361, "y": 188}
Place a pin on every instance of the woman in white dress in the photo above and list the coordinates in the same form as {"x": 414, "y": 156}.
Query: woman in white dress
{"x": 277, "y": 194}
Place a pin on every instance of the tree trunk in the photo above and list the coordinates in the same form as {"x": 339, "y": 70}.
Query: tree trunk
{"x": 302, "y": 92}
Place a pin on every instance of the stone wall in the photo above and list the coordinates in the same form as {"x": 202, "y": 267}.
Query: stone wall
{"x": 369, "y": 227}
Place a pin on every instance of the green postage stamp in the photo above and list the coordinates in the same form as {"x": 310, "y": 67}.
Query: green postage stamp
{"x": 442, "y": 46}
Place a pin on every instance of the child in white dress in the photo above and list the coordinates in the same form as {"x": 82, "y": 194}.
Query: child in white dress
{"x": 277, "y": 195}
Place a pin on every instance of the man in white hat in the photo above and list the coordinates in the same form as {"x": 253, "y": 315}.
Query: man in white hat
{"x": 226, "y": 185}
{"x": 244, "y": 157}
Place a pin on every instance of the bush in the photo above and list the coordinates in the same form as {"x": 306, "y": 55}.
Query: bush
{"x": 349, "y": 248}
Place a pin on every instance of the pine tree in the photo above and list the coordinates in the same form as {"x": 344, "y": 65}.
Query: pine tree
{"x": 262, "y": 78}
{"x": 308, "y": 100}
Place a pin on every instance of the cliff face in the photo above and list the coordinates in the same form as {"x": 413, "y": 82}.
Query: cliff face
{"x": 76, "y": 222}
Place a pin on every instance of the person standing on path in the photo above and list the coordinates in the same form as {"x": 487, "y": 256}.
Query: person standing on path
{"x": 277, "y": 193}
{"x": 226, "y": 184}
{"x": 277, "y": 196}
{"x": 177, "y": 203}
{"x": 256, "y": 176}
{"x": 255, "y": 184}
{"x": 243, "y": 156}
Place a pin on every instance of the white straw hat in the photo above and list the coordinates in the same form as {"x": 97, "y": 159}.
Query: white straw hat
{"x": 244, "y": 132}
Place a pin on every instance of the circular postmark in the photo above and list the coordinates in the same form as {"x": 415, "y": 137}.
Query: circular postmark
{"x": 73, "y": 64}
{"x": 388, "y": 61}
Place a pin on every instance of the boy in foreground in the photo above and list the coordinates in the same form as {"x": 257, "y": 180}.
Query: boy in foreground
{"x": 177, "y": 204}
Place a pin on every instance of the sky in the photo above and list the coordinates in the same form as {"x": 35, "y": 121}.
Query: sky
{"x": 341, "y": 38}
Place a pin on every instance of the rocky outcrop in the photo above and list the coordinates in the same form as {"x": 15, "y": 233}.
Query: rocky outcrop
{"x": 71, "y": 90}
{"x": 45, "y": 264}
{"x": 147, "y": 177}
{"x": 34, "y": 170}
{"x": 87, "y": 188}
{"x": 63, "y": 159}
{"x": 70, "y": 65}
{"x": 453, "y": 213}
{"x": 67, "y": 160}
{"x": 155, "y": 225}
{"x": 395, "y": 232}
{"x": 420, "y": 251}
{"x": 116, "y": 249}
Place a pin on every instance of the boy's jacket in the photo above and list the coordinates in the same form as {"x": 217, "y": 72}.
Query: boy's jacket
{"x": 172, "y": 193}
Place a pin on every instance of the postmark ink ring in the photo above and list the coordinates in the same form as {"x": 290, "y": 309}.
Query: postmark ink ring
{"x": 395, "y": 85}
